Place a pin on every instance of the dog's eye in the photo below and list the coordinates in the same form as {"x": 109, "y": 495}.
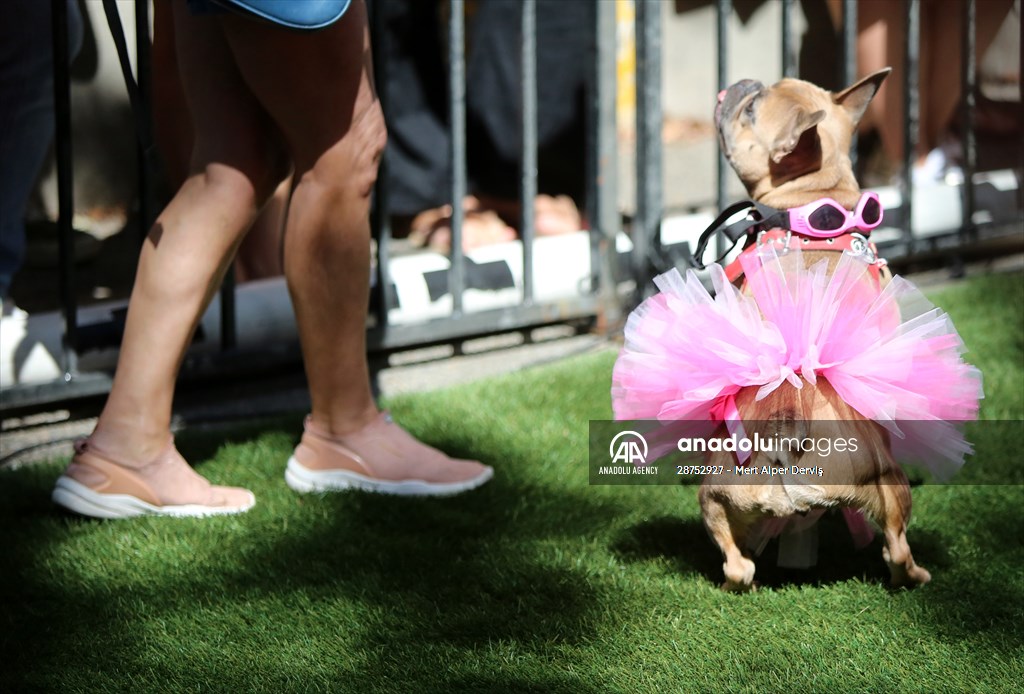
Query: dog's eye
{"x": 748, "y": 110}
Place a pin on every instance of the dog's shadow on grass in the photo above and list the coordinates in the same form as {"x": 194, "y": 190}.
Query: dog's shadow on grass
{"x": 682, "y": 543}
{"x": 686, "y": 546}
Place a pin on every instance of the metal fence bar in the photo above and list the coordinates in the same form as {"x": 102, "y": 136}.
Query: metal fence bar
{"x": 528, "y": 161}
{"x": 143, "y": 77}
{"x": 969, "y": 77}
{"x": 649, "y": 152}
{"x": 911, "y": 113}
{"x": 788, "y": 45}
{"x": 228, "y": 311}
{"x": 457, "y": 111}
{"x": 382, "y": 297}
{"x": 481, "y": 323}
{"x": 65, "y": 189}
{"x": 604, "y": 172}
{"x": 848, "y": 62}
{"x": 591, "y": 165}
{"x": 724, "y": 9}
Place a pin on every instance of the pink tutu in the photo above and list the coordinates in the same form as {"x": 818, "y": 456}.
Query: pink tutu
{"x": 890, "y": 355}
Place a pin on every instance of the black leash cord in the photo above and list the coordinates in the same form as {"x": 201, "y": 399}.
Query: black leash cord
{"x": 763, "y": 217}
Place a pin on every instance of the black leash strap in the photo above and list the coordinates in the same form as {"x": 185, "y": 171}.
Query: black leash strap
{"x": 762, "y": 217}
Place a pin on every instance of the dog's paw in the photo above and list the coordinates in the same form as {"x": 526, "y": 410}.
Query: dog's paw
{"x": 739, "y": 575}
{"x": 918, "y": 576}
{"x": 911, "y": 578}
{"x": 729, "y": 587}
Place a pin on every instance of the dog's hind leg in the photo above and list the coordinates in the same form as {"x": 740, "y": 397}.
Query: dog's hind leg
{"x": 893, "y": 515}
{"x": 728, "y": 530}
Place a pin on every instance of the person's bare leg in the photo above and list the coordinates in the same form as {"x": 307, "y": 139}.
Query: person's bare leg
{"x": 331, "y": 118}
{"x": 235, "y": 168}
{"x": 881, "y": 32}
{"x": 260, "y": 254}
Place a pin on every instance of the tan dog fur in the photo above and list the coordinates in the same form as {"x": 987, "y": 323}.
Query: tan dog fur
{"x": 788, "y": 143}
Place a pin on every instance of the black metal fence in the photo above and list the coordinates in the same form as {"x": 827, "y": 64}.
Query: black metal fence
{"x": 618, "y": 271}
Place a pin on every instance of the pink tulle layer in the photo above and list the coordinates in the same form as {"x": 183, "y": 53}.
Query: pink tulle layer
{"x": 889, "y": 354}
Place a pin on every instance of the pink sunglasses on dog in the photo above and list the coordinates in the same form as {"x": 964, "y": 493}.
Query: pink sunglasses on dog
{"x": 826, "y": 218}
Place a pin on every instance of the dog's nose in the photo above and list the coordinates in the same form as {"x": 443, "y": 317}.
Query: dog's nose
{"x": 729, "y": 98}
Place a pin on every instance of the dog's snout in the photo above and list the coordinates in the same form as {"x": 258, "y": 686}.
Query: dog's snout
{"x": 744, "y": 87}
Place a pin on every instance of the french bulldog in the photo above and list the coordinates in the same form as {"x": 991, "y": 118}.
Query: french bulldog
{"x": 789, "y": 144}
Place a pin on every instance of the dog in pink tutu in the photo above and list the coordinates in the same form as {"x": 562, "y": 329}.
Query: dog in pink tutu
{"x": 815, "y": 371}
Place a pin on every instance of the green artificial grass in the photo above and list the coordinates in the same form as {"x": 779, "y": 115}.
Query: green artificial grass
{"x": 536, "y": 582}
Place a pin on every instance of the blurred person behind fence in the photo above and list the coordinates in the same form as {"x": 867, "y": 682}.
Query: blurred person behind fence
{"x": 881, "y": 37}
{"x": 26, "y": 117}
{"x": 419, "y": 143}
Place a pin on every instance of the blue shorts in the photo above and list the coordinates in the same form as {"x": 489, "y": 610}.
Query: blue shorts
{"x": 295, "y": 14}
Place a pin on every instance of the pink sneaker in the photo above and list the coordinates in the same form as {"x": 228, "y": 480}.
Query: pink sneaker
{"x": 97, "y": 485}
{"x": 382, "y": 457}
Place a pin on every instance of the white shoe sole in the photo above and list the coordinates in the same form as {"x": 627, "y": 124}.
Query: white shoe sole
{"x": 78, "y": 498}
{"x": 304, "y": 480}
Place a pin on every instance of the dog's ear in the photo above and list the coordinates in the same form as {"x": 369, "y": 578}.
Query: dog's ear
{"x": 798, "y": 132}
{"x": 857, "y": 96}
{"x": 797, "y": 148}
